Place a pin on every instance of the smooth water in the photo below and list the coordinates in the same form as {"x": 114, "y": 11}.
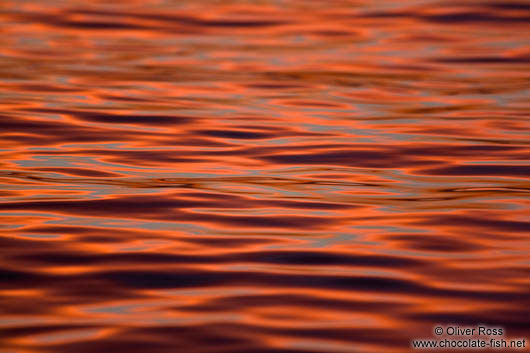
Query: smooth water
{"x": 261, "y": 176}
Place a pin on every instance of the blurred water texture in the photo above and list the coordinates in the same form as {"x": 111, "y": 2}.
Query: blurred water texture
{"x": 261, "y": 176}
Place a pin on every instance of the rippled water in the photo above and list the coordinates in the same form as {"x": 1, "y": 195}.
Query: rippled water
{"x": 261, "y": 176}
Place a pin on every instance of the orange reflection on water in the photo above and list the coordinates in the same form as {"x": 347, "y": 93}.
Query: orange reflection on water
{"x": 248, "y": 177}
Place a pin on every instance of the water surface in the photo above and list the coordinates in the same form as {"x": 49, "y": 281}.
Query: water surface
{"x": 261, "y": 176}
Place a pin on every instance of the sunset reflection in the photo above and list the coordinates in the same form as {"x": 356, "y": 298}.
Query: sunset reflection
{"x": 261, "y": 176}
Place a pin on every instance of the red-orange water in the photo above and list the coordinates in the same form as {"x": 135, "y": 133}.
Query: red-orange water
{"x": 261, "y": 176}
